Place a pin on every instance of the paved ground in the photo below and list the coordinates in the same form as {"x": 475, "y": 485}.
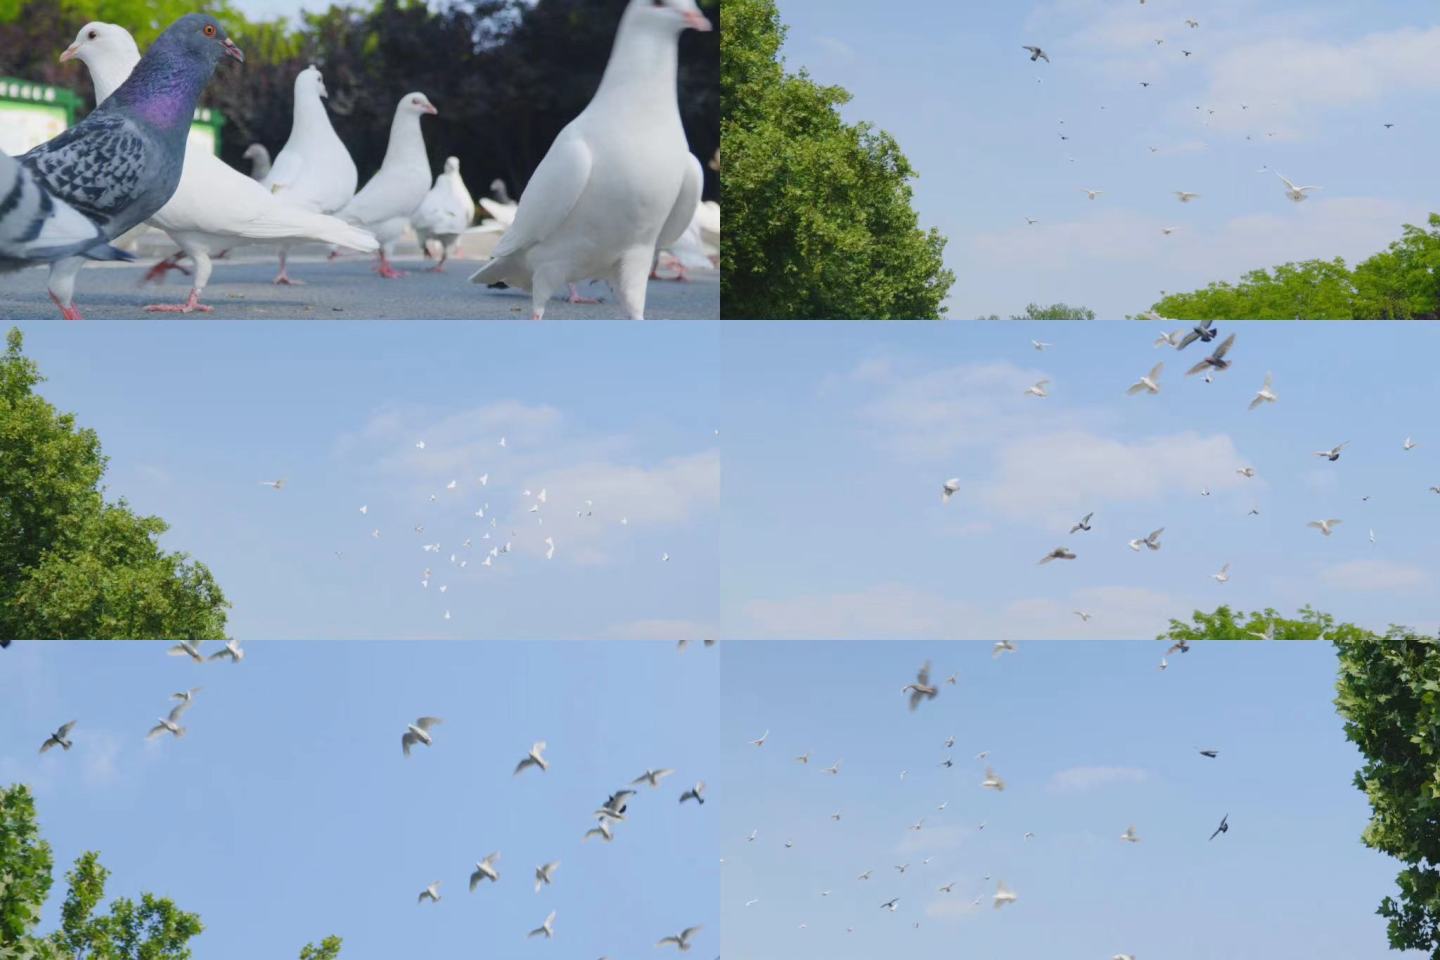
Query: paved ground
{"x": 240, "y": 289}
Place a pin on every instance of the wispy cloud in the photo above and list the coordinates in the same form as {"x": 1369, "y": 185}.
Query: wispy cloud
{"x": 1376, "y": 575}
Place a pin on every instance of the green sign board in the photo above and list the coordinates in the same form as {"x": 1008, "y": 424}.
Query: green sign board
{"x": 31, "y": 113}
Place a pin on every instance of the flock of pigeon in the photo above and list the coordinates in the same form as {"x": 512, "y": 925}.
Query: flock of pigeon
{"x": 1295, "y": 192}
{"x": 614, "y": 810}
{"x": 1149, "y": 385}
{"x": 617, "y": 187}
{"x": 491, "y": 545}
{"x": 867, "y": 890}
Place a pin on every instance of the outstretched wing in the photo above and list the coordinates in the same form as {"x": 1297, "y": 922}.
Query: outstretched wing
{"x": 97, "y": 166}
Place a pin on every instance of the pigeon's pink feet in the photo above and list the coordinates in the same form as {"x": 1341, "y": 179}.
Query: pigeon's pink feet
{"x": 157, "y": 273}
{"x": 681, "y": 276}
{"x": 191, "y": 305}
{"x": 283, "y": 280}
{"x": 576, "y": 298}
{"x": 388, "y": 272}
{"x": 69, "y": 313}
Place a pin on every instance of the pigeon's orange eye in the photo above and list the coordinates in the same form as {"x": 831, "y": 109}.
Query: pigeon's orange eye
{"x": 209, "y": 29}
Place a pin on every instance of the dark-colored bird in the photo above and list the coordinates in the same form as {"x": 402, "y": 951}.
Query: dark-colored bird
{"x": 1179, "y": 646}
{"x": 1083, "y": 523}
{"x": 1204, "y": 332}
{"x": 921, "y": 689}
{"x": 122, "y": 163}
{"x": 1223, "y": 828}
{"x": 1216, "y": 360}
{"x": 1212, "y": 754}
{"x": 35, "y": 227}
{"x": 1059, "y": 553}
{"x": 1037, "y": 54}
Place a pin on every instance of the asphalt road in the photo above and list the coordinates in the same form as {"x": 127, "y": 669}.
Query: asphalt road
{"x": 241, "y": 289}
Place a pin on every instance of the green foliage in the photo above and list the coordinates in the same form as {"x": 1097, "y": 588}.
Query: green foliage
{"x": 328, "y": 949}
{"x": 154, "y": 929}
{"x": 1401, "y": 283}
{"x": 818, "y": 216}
{"x": 1056, "y": 311}
{"x": 1389, "y": 696}
{"x": 1227, "y": 624}
{"x": 71, "y": 565}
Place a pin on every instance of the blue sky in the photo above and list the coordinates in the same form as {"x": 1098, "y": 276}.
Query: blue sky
{"x": 288, "y": 811}
{"x": 195, "y": 416}
{"x": 1317, "y": 78}
{"x": 1090, "y": 738}
{"x": 837, "y": 444}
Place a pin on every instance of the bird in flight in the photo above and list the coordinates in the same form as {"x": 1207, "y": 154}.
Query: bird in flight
{"x": 534, "y": 758}
{"x": 1150, "y": 383}
{"x": 1036, "y": 54}
{"x": 418, "y": 732}
{"x": 485, "y": 870}
{"x": 1185, "y": 196}
{"x": 1223, "y": 576}
{"x": 760, "y": 740}
{"x": 1059, "y": 553}
{"x": 60, "y": 738}
{"x": 1130, "y": 836}
{"x": 1083, "y": 523}
{"x": 1038, "y": 390}
{"x": 1207, "y": 752}
{"x": 1152, "y": 541}
{"x": 1297, "y": 194}
{"x": 1216, "y": 361}
{"x": 1223, "y": 828}
{"x": 1265, "y": 394}
{"x": 921, "y": 690}
{"x": 1324, "y": 526}
{"x": 431, "y": 893}
{"x": 1333, "y": 453}
{"x": 949, "y": 488}
{"x": 682, "y": 940}
{"x": 1204, "y": 332}
{"x": 1003, "y": 894}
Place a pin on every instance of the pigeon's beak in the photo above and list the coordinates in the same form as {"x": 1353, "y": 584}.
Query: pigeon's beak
{"x": 430, "y": 109}
{"x": 71, "y": 52}
{"x": 696, "y": 20}
{"x": 233, "y": 51}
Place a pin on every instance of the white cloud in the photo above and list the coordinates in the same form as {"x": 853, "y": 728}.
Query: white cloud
{"x": 895, "y": 611}
{"x": 1086, "y": 779}
{"x": 1375, "y": 576}
{"x": 1048, "y": 479}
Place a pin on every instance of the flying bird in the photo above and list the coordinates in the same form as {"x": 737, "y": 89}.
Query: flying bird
{"x": 1059, "y": 553}
{"x": 418, "y": 732}
{"x": 171, "y": 723}
{"x": 60, "y": 738}
{"x": 681, "y": 940}
{"x": 1223, "y": 828}
{"x": 696, "y": 793}
{"x": 1036, "y": 54}
{"x": 431, "y": 893}
{"x": 1003, "y": 895}
{"x": 921, "y": 689}
{"x": 1264, "y": 394}
{"x": 1038, "y": 390}
{"x": 1150, "y": 383}
{"x": 485, "y": 870}
{"x": 1324, "y": 526}
{"x": 544, "y": 873}
{"x": 1333, "y": 453}
{"x": 1216, "y": 361}
{"x": 546, "y": 929}
{"x": 534, "y": 758}
{"x": 949, "y": 489}
{"x": 1083, "y": 523}
{"x": 1297, "y": 194}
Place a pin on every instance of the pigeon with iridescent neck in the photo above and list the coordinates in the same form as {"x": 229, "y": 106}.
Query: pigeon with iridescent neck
{"x": 122, "y": 163}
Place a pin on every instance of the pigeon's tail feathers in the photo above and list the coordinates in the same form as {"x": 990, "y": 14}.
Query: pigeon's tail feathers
{"x": 283, "y": 221}
{"x": 500, "y": 272}
{"x": 104, "y": 251}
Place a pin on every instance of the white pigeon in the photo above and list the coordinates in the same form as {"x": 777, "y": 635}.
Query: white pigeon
{"x": 1150, "y": 383}
{"x": 949, "y": 489}
{"x": 171, "y": 723}
{"x": 682, "y": 940}
{"x": 1295, "y": 193}
{"x": 313, "y": 170}
{"x": 760, "y": 740}
{"x": 1040, "y": 345}
{"x": 544, "y": 873}
{"x": 1223, "y": 576}
{"x": 1001, "y": 647}
{"x": 1003, "y": 894}
{"x": 1184, "y": 196}
{"x": 601, "y": 830}
{"x": 1152, "y": 541}
{"x": 546, "y": 929}
{"x": 1409, "y": 444}
{"x": 1084, "y": 617}
{"x": 1324, "y": 526}
{"x": 1130, "y": 836}
{"x": 431, "y": 893}
{"x": 231, "y": 650}
{"x": 418, "y": 732}
{"x": 385, "y": 204}
{"x": 485, "y": 870}
{"x": 1092, "y": 194}
{"x": 1246, "y": 472}
{"x": 446, "y": 212}
{"x": 619, "y": 181}
{"x": 1038, "y": 390}
{"x": 1265, "y": 394}
{"x": 993, "y": 781}
{"x": 534, "y": 758}
{"x": 688, "y": 251}
{"x": 652, "y": 777}
{"x": 215, "y": 207}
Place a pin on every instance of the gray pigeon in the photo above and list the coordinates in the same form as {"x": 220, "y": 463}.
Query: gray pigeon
{"x": 122, "y": 163}
{"x": 37, "y": 228}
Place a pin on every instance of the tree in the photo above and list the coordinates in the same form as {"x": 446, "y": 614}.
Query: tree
{"x": 1227, "y": 624}
{"x": 1400, "y": 283}
{"x": 818, "y": 217}
{"x": 71, "y": 565}
{"x": 1056, "y": 311}
{"x": 153, "y": 929}
{"x": 1389, "y": 696}
{"x": 329, "y": 949}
